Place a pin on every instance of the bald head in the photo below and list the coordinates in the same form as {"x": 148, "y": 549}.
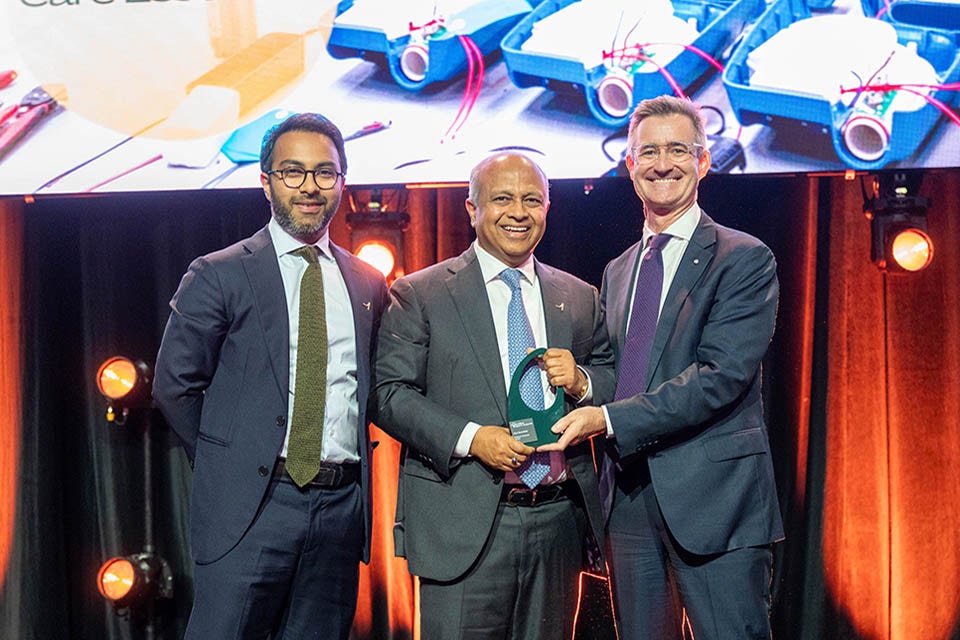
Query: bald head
{"x": 507, "y": 203}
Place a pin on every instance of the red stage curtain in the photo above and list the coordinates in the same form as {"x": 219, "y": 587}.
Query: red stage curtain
{"x": 439, "y": 228}
{"x": 11, "y": 248}
{"x": 891, "y": 533}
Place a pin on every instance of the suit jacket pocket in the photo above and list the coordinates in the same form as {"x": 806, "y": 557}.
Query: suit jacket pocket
{"x": 736, "y": 445}
{"x": 206, "y": 437}
{"x": 414, "y": 466}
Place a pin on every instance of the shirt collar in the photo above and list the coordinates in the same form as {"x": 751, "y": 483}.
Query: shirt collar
{"x": 490, "y": 267}
{"x": 283, "y": 242}
{"x": 683, "y": 227}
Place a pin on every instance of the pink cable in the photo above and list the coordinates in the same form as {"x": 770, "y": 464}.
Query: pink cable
{"x": 475, "y": 75}
{"x": 123, "y": 173}
{"x": 911, "y": 88}
{"x": 947, "y": 111}
{"x": 689, "y": 47}
{"x": 477, "y": 84}
{"x": 663, "y": 71}
{"x": 467, "y": 90}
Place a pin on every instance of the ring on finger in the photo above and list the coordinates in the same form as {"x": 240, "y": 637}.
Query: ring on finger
{"x": 514, "y": 461}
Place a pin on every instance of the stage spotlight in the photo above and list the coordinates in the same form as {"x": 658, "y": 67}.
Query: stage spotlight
{"x": 135, "y": 580}
{"x": 899, "y": 242}
{"x": 125, "y": 383}
{"x": 379, "y": 255}
{"x": 377, "y": 223}
{"x": 912, "y": 249}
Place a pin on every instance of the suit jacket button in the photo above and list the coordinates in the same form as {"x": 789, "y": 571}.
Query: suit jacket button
{"x": 263, "y": 471}
{"x": 281, "y": 421}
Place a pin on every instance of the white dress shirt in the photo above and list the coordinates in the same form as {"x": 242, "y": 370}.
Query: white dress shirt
{"x": 340, "y": 413}
{"x": 680, "y": 231}
{"x": 498, "y": 293}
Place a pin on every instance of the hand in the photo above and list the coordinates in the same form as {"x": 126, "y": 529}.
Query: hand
{"x": 563, "y": 372}
{"x": 496, "y": 448}
{"x": 577, "y": 426}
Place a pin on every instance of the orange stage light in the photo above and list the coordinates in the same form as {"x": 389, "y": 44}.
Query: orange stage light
{"x": 379, "y": 255}
{"x": 134, "y": 580}
{"x": 912, "y": 249}
{"x": 899, "y": 242}
{"x": 125, "y": 383}
{"x": 115, "y": 579}
{"x": 116, "y": 378}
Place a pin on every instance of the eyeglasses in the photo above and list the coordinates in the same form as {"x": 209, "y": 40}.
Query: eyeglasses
{"x": 676, "y": 152}
{"x": 294, "y": 177}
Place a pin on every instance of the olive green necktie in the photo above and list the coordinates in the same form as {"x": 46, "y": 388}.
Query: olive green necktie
{"x": 306, "y": 429}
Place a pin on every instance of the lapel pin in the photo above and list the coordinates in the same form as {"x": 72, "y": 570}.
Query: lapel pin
{"x": 366, "y": 305}
{"x": 696, "y": 261}
{"x": 559, "y": 306}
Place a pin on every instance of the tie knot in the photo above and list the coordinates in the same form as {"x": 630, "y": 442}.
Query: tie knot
{"x": 657, "y": 241}
{"x": 511, "y": 277}
{"x": 307, "y": 252}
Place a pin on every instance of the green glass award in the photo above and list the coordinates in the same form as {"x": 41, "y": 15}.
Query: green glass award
{"x": 532, "y": 426}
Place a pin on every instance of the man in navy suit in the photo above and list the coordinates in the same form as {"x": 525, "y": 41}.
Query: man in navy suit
{"x": 694, "y": 508}
{"x": 277, "y": 557}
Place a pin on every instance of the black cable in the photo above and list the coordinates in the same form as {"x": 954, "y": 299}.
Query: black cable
{"x": 723, "y": 120}
{"x": 621, "y": 133}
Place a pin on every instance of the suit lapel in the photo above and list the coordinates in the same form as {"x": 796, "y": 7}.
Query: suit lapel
{"x": 361, "y": 303}
{"x": 556, "y": 309}
{"x": 361, "y": 294}
{"x": 697, "y": 257}
{"x": 620, "y": 277}
{"x": 263, "y": 273}
{"x": 469, "y": 293}
{"x": 361, "y": 300}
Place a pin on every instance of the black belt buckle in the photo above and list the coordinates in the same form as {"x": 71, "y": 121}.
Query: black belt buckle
{"x": 523, "y": 497}
{"x": 328, "y": 476}
{"x": 520, "y": 497}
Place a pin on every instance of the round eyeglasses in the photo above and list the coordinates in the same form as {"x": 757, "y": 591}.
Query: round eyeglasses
{"x": 294, "y": 177}
{"x": 676, "y": 152}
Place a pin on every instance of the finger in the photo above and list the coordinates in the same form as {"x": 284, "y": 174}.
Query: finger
{"x": 562, "y": 424}
{"x": 553, "y": 446}
{"x": 518, "y": 449}
{"x": 568, "y": 439}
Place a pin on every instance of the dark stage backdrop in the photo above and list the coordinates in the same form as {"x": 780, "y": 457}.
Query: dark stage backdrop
{"x": 861, "y": 397}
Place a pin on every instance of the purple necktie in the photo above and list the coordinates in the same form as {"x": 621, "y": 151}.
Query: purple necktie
{"x": 635, "y": 355}
{"x": 519, "y": 339}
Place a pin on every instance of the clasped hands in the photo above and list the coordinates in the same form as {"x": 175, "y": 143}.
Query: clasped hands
{"x": 497, "y": 448}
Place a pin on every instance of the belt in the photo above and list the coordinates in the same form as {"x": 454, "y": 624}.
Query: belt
{"x": 518, "y": 495}
{"x": 330, "y": 476}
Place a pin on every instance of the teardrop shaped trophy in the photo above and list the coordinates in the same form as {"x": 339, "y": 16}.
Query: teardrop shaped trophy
{"x": 531, "y": 426}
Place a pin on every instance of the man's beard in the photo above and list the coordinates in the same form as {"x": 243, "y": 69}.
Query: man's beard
{"x": 283, "y": 212}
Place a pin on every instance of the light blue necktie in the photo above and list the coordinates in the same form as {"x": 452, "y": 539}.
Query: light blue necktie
{"x": 519, "y": 339}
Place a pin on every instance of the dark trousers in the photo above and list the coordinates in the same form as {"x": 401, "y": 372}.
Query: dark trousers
{"x": 523, "y": 585}
{"x": 726, "y": 595}
{"x": 293, "y": 575}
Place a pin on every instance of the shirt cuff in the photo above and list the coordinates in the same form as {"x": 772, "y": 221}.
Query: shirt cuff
{"x": 588, "y": 396}
{"x": 462, "y": 450}
{"x": 606, "y": 417}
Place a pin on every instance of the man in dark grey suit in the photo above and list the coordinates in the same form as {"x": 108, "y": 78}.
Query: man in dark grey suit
{"x": 694, "y": 506}
{"x": 496, "y": 558}
{"x": 277, "y": 557}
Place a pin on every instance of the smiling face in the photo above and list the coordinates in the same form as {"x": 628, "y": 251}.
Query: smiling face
{"x": 667, "y": 187}
{"x": 305, "y": 212}
{"x": 508, "y": 208}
